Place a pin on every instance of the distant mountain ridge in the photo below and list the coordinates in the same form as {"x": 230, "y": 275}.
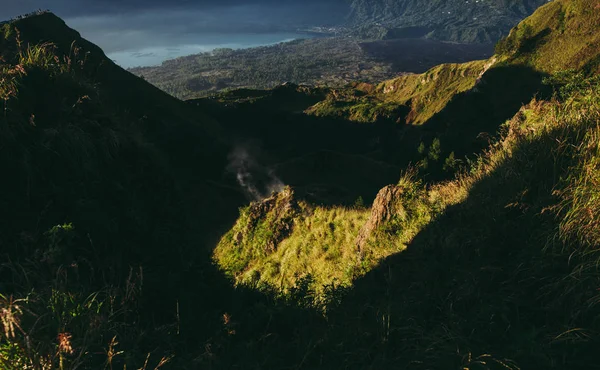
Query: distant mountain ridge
{"x": 450, "y": 20}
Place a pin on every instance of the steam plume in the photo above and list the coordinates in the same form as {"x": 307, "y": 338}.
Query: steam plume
{"x": 257, "y": 181}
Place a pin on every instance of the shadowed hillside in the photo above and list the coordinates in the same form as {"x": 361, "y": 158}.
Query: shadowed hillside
{"x": 109, "y": 186}
{"x": 491, "y": 283}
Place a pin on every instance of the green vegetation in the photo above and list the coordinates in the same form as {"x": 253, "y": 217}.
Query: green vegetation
{"x": 425, "y": 95}
{"x": 507, "y": 293}
{"x": 569, "y": 27}
{"x": 510, "y": 237}
{"x": 504, "y": 242}
{"x": 324, "y": 249}
{"x": 415, "y": 99}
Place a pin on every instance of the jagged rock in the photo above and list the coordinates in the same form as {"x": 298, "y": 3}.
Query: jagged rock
{"x": 387, "y": 205}
{"x": 279, "y": 210}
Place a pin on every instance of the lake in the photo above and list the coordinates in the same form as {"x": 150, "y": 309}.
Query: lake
{"x": 148, "y": 38}
{"x": 156, "y": 54}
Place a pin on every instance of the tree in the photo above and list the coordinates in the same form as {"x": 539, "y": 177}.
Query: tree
{"x": 435, "y": 150}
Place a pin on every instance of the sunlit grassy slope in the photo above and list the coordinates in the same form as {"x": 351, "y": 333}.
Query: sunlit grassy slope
{"x": 424, "y": 95}
{"x": 560, "y": 35}
{"x": 322, "y": 246}
{"x": 506, "y": 277}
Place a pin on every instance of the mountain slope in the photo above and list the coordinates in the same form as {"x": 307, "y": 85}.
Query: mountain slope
{"x": 455, "y": 98}
{"x": 451, "y": 20}
{"x": 497, "y": 267}
{"x": 108, "y": 185}
{"x": 496, "y": 280}
{"x": 559, "y": 36}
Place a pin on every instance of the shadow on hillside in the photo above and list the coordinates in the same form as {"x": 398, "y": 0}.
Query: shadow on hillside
{"x": 329, "y": 161}
{"x": 334, "y": 161}
{"x": 458, "y": 288}
{"x": 406, "y": 51}
{"x": 475, "y": 281}
{"x": 462, "y": 278}
{"x": 472, "y": 118}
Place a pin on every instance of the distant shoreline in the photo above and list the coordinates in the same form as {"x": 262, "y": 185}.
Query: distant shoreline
{"x": 156, "y": 56}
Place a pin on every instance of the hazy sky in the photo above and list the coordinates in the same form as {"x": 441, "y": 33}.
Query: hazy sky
{"x": 68, "y": 8}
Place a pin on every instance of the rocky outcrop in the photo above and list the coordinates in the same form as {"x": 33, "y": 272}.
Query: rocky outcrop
{"x": 277, "y": 214}
{"x": 387, "y": 205}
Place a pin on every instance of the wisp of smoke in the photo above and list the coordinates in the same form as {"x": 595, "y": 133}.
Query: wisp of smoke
{"x": 257, "y": 181}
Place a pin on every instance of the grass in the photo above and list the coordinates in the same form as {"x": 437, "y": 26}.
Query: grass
{"x": 55, "y": 322}
{"x": 568, "y": 26}
{"x": 510, "y": 244}
{"x": 581, "y": 202}
{"x": 508, "y": 292}
{"x": 321, "y": 246}
{"x": 310, "y": 251}
{"x": 412, "y": 99}
{"x": 322, "y": 252}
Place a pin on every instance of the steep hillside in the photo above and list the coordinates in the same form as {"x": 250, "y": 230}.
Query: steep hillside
{"x": 504, "y": 277}
{"x": 500, "y": 272}
{"x": 560, "y": 36}
{"x": 450, "y": 20}
{"x": 108, "y": 185}
{"x": 569, "y": 27}
{"x": 425, "y": 94}
{"x": 330, "y": 247}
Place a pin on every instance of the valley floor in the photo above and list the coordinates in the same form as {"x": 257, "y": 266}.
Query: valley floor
{"x": 332, "y": 62}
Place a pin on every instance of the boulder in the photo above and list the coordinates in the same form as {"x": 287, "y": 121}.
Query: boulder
{"x": 387, "y": 205}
